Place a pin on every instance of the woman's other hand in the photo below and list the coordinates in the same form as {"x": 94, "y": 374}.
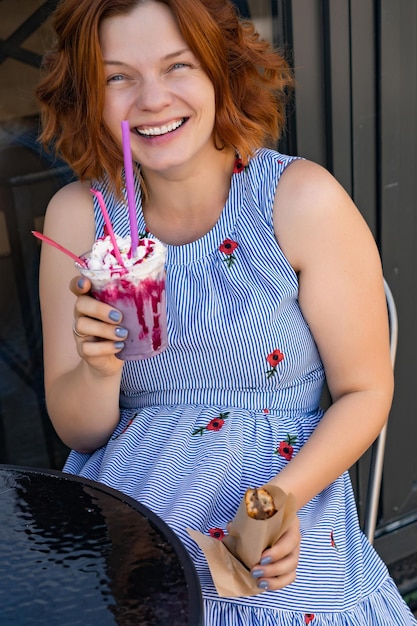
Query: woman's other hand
{"x": 278, "y": 565}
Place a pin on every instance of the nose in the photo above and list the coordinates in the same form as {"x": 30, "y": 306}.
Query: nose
{"x": 153, "y": 94}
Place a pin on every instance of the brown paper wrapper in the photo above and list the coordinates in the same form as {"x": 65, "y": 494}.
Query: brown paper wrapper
{"x": 230, "y": 559}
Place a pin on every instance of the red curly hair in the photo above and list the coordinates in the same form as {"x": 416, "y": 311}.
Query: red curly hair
{"x": 251, "y": 81}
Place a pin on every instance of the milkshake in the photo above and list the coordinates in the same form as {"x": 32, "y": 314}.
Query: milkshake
{"x": 136, "y": 289}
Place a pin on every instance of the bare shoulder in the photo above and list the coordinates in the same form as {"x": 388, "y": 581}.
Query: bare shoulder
{"x": 312, "y": 210}
{"x": 307, "y": 189}
{"x": 69, "y": 218}
{"x": 308, "y": 171}
{"x": 76, "y": 194}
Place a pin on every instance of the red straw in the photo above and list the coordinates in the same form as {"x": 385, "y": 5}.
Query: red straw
{"x": 53, "y": 243}
{"x": 131, "y": 203}
{"x": 110, "y": 230}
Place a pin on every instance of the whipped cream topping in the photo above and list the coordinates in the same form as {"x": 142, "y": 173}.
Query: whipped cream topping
{"x": 102, "y": 255}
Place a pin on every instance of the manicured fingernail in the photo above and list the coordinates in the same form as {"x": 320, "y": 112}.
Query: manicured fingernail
{"x": 257, "y": 573}
{"x": 115, "y": 316}
{"x": 120, "y": 332}
{"x": 266, "y": 560}
{"x": 80, "y": 282}
{"x": 263, "y": 584}
{"x": 119, "y": 345}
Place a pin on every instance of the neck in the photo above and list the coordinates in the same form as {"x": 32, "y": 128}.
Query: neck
{"x": 182, "y": 208}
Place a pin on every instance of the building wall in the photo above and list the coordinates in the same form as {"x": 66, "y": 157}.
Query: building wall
{"x": 356, "y": 113}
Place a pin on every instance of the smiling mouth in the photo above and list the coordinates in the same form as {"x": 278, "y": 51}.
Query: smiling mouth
{"x": 156, "y": 131}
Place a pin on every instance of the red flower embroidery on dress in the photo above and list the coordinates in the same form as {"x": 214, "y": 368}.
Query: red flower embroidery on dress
{"x": 308, "y": 618}
{"x": 274, "y": 359}
{"x": 217, "y": 533}
{"x": 239, "y": 166}
{"x": 266, "y": 411}
{"x": 215, "y": 424}
{"x": 285, "y": 448}
{"x": 228, "y": 247}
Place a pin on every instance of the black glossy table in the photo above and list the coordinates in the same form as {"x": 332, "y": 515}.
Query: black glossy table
{"x": 75, "y": 552}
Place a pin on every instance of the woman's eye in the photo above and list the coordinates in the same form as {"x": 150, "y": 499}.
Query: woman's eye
{"x": 116, "y": 78}
{"x": 178, "y": 66}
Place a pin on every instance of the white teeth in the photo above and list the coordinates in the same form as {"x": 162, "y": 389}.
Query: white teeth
{"x": 160, "y": 130}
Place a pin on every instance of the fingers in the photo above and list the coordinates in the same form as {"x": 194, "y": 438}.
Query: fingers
{"x": 98, "y": 343}
{"x": 278, "y": 565}
{"x": 80, "y": 285}
{"x": 91, "y": 316}
{"x": 277, "y": 575}
{"x": 91, "y": 328}
{"x": 91, "y": 349}
{"x": 97, "y": 326}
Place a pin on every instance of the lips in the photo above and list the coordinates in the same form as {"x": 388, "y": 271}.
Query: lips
{"x": 156, "y": 131}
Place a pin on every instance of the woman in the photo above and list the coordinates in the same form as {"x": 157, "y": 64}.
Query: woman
{"x": 273, "y": 283}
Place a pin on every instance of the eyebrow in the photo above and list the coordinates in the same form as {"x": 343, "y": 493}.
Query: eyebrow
{"x": 167, "y": 57}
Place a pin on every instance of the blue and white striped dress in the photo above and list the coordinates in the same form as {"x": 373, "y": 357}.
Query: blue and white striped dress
{"x": 228, "y": 404}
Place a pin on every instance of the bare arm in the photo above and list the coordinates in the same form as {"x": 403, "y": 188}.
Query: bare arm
{"x": 342, "y": 298}
{"x": 82, "y": 376}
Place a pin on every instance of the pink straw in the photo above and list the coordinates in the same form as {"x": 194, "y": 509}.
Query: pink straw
{"x": 53, "y": 243}
{"x": 127, "y": 155}
{"x": 110, "y": 230}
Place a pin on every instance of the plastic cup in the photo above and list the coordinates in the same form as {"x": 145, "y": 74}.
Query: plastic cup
{"x": 139, "y": 294}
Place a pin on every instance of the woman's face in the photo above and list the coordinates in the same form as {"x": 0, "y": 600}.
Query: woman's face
{"x": 154, "y": 81}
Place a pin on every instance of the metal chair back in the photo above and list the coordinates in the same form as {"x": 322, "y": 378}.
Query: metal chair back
{"x": 378, "y": 448}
